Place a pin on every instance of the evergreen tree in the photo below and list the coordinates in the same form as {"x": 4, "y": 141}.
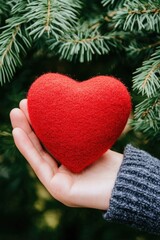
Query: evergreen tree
{"x": 80, "y": 38}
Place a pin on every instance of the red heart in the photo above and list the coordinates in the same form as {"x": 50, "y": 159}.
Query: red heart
{"x": 78, "y": 121}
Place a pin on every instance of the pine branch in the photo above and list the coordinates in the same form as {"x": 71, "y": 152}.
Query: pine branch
{"x": 14, "y": 41}
{"x": 5, "y": 134}
{"x": 138, "y": 15}
{"x": 82, "y": 44}
{"x": 147, "y": 78}
{"x": 147, "y": 82}
{"x": 136, "y": 48}
{"x": 6, "y": 138}
{"x": 146, "y": 117}
{"x": 107, "y": 2}
{"x": 141, "y": 47}
{"x": 17, "y": 11}
{"x": 4, "y": 9}
{"x": 13, "y": 44}
{"x": 51, "y": 17}
{"x": 112, "y": 4}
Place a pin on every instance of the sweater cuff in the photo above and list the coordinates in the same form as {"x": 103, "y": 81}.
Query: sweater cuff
{"x": 135, "y": 199}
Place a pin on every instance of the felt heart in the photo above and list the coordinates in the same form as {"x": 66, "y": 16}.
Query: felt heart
{"x": 78, "y": 121}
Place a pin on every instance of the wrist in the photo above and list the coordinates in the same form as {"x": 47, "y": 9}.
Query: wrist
{"x": 114, "y": 161}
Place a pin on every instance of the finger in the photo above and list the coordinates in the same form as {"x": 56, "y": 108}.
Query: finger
{"x": 24, "y": 108}
{"x": 42, "y": 169}
{"x": 49, "y": 159}
{"x": 18, "y": 119}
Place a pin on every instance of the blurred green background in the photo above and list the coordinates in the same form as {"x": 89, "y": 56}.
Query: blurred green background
{"x": 27, "y": 211}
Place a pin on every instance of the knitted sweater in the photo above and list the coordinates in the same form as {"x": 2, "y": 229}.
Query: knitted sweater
{"x": 135, "y": 198}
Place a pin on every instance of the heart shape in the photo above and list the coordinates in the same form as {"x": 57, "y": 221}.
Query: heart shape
{"x": 78, "y": 121}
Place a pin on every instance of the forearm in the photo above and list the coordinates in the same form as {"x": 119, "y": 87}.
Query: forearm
{"x": 135, "y": 198}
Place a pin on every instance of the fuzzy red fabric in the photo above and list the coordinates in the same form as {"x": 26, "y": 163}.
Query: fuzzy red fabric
{"x": 78, "y": 121}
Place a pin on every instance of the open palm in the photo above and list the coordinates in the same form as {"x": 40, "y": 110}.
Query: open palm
{"x": 91, "y": 188}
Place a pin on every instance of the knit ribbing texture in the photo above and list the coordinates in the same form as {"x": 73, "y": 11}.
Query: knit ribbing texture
{"x": 135, "y": 199}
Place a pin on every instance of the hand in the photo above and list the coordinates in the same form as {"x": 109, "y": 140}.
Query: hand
{"x": 91, "y": 188}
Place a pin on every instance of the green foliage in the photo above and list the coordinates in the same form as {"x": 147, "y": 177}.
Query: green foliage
{"x": 147, "y": 116}
{"x": 4, "y": 10}
{"x": 82, "y": 44}
{"x": 107, "y": 2}
{"x": 14, "y": 42}
{"x": 138, "y": 48}
{"x": 80, "y": 38}
{"x": 29, "y": 21}
{"x": 146, "y": 80}
{"x": 138, "y": 15}
{"x": 50, "y": 17}
{"x": 111, "y": 4}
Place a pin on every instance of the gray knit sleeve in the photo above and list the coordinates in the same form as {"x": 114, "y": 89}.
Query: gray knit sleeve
{"x": 135, "y": 199}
